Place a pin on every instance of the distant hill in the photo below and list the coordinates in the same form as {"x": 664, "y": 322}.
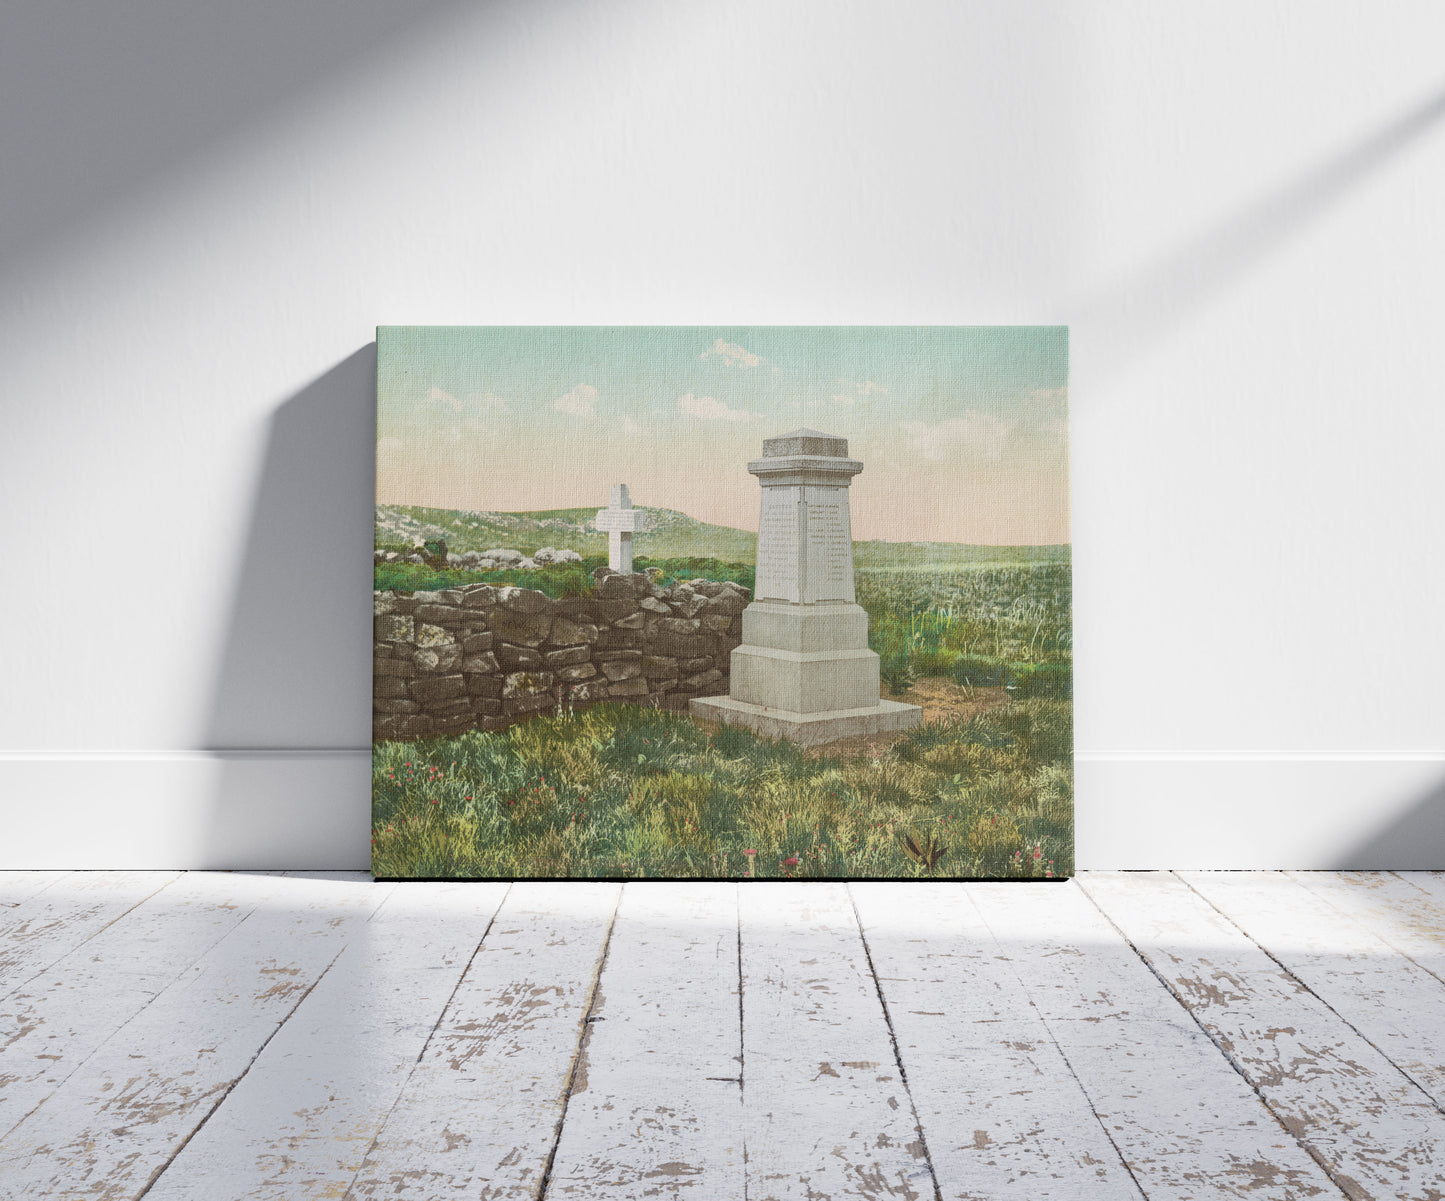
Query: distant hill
{"x": 878, "y": 555}
{"x": 667, "y": 534}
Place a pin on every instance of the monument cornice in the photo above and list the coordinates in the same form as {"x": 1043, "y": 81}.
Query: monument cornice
{"x": 811, "y": 466}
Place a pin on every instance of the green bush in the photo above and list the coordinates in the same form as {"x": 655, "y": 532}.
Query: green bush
{"x": 555, "y": 579}
{"x": 897, "y": 672}
{"x": 974, "y": 672}
{"x": 1043, "y": 680}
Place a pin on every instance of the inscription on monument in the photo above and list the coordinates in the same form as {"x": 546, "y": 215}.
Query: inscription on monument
{"x": 828, "y": 547}
{"x": 778, "y": 545}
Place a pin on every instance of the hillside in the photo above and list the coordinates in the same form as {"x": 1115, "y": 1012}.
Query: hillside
{"x": 668, "y": 534}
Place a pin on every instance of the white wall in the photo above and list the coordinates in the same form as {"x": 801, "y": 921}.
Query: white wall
{"x": 206, "y": 207}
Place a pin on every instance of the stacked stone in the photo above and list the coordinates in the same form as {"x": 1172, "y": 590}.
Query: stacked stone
{"x": 485, "y": 657}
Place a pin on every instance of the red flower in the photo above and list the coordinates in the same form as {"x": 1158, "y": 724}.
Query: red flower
{"x": 791, "y": 861}
{"x": 750, "y": 852}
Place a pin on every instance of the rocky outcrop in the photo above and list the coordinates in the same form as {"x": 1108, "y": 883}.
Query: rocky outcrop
{"x": 478, "y": 560}
{"x": 485, "y": 656}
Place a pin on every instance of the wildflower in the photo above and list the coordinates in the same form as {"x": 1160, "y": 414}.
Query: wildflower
{"x": 791, "y": 861}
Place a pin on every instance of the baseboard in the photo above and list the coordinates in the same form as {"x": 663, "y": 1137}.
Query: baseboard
{"x": 309, "y": 809}
{"x": 277, "y": 809}
{"x": 1365, "y": 810}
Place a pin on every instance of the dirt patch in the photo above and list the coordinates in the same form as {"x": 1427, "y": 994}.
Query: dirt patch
{"x": 940, "y": 699}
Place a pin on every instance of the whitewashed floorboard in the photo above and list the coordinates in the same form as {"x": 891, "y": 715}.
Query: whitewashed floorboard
{"x": 479, "y": 1116}
{"x": 1378, "y": 1134}
{"x": 16, "y": 887}
{"x": 1431, "y": 883}
{"x": 655, "y": 1109}
{"x": 55, "y": 1021}
{"x": 1402, "y": 908}
{"x": 1002, "y": 1115}
{"x": 1186, "y": 1124}
{"x": 48, "y": 925}
{"x": 124, "y": 1113}
{"x": 299, "y": 1123}
{"x": 1391, "y": 1001}
{"x": 267, "y": 1050}
{"x": 826, "y": 1112}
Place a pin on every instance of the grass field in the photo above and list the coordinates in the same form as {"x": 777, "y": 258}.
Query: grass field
{"x": 982, "y": 625}
{"x": 621, "y": 791}
{"x": 625, "y": 792}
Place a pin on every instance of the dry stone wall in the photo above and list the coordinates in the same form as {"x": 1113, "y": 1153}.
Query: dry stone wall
{"x": 484, "y": 657}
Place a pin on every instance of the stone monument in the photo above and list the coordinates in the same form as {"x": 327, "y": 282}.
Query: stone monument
{"x": 804, "y": 670}
{"x": 621, "y": 521}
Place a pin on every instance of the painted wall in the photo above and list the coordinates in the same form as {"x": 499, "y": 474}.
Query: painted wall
{"x": 206, "y": 207}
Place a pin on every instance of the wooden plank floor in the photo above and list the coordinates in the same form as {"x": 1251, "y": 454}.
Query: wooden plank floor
{"x": 1154, "y": 1035}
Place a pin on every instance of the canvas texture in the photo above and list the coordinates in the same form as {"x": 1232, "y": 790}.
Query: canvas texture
{"x": 722, "y": 603}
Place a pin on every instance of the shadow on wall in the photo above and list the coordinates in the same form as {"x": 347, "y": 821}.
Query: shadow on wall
{"x": 1147, "y": 305}
{"x": 290, "y": 717}
{"x": 1414, "y": 841}
{"x": 115, "y": 97}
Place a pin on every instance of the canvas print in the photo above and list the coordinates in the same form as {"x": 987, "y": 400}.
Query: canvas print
{"x": 732, "y": 603}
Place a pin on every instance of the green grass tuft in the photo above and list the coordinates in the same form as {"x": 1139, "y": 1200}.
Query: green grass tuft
{"x": 628, "y": 792}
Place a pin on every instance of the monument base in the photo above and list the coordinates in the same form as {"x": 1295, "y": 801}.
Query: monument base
{"x": 808, "y": 729}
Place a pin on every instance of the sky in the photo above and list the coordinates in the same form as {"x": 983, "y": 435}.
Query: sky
{"x": 962, "y": 430}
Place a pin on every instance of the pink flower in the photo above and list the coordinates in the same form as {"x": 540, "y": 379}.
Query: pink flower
{"x": 791, "y": 861}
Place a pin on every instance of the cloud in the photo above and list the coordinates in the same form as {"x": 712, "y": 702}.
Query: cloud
{"x": 630, "y": 427}
{"x": 446, "y": 398}
{"x": 488, "y": 402}
{"x": 856, "y": 390}
{"x": 978, "y": 434}
{"x": 709, "y": 409}
{"x": 731, "y": 354}
{"x": 1048, "y": 404}
{"x": 579, "y": 402}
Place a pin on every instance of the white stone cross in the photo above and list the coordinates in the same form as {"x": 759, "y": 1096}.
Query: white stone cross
{"x": 621, "y": 521}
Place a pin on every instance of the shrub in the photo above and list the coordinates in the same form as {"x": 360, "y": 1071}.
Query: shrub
{"x": 1043, "y": 679}
{"x": 897, "y": 672}
{"x": 973, "y": 672}
{"x": 555, "y": 579}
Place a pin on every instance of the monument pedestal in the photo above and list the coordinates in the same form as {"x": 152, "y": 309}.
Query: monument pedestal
{"x": 804, "y": 670}
{"x": 808, "y": 729}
